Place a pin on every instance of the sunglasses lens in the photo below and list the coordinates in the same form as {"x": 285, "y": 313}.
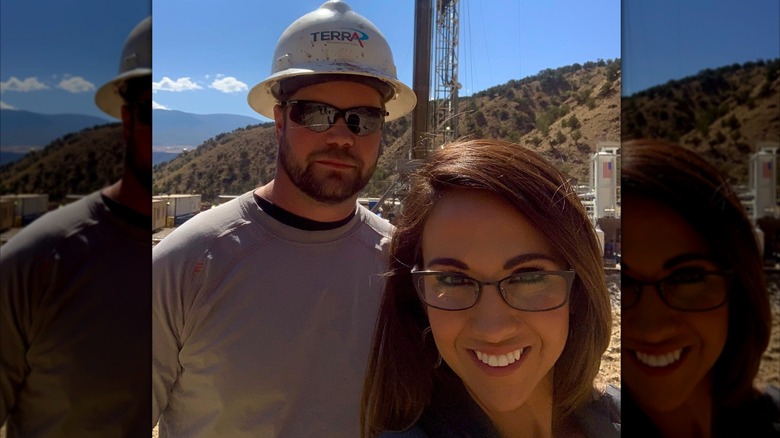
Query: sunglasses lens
{"x": 143, "y": 113}
{"x": 364, "y": 120}
{"x": 315, "y": 116}
{"x": 319, "y": 117}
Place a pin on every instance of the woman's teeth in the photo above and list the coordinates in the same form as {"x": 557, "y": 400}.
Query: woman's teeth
{"x": 501, "y": 360}
{"x": 661, "y": 360}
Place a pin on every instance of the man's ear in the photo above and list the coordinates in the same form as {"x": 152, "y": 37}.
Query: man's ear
{"x": 278, "y": 119}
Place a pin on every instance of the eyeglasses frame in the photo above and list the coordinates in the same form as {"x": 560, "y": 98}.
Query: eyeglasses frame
{"x": 640, "y": 285}
{"x": 568, "y": 275}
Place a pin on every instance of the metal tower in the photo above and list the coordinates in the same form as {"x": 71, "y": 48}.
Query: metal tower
{"x": 433, "y": 122}
{"x": 445, "y": 75}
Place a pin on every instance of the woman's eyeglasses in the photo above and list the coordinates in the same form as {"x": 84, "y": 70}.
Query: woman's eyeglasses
{"x": 319, "y": 117}
{"x": 535, "y": 291}
{"x": 686, "y": 290}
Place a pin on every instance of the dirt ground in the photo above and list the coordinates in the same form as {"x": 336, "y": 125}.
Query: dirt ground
{"x": 609, "y": 373}
{"x": 769, "y": 373}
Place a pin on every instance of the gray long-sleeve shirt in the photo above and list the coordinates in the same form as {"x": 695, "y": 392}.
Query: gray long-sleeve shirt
{"x": 262, "y": 329}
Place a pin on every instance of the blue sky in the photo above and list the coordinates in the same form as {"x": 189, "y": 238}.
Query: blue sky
{"x": 212, "y": 52}
{"x": 55, "y": 54}
{"x": 53, "y": 62}
{"x": 672, "y": 39}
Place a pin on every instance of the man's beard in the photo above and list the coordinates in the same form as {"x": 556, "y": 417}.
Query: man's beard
{"x": 328, "y": 187}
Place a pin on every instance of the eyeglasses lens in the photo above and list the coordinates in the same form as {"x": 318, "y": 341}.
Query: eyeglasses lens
{"x": 700, "y": 292}
{"x": 535, "y": 291}
{"x": 448, "y": 291}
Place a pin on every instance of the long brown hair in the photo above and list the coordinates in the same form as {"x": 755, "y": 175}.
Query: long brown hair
{"x": 399, "y": 377}
{"x": 687, "y": 183}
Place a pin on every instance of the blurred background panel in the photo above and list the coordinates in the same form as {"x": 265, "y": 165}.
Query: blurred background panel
{"x": 55, "y": 142}
{"x": 56, "y": 147}
{"x": 705, "y": 74}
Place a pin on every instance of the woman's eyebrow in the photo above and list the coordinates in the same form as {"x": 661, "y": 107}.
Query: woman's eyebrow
{"x": 523, "y": 258}
{"x": 514, "y": 261}
{"x": 687, "y": 257}
{"x": 448, "y": 261}
{"x": 682, "y": 258}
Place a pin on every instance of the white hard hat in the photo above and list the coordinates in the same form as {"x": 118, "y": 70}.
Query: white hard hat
{"x": 333, "y": 40}
{"x": 136, "y": 62}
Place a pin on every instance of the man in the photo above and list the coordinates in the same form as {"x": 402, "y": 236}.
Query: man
{"x": 75, "y": 319}
{"x": 264, "y": 307}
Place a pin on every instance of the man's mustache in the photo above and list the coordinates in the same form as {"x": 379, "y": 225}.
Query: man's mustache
{"x": 336, "y": 154}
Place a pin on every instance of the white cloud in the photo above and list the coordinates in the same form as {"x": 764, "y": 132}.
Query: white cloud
{"x": 228, "y": 84}
{"x": 29, "y": 84}
{"x": 156, "y": 105}
{"x": 5, "y": 106}
{"x": 76, "y": 84}
{"x": 181, "y": 84}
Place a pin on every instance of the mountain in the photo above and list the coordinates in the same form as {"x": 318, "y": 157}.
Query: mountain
{"x": 720, "y": 113}
{"x": 25, "y": 128}
{"x": 9, "y": 156}
{"x": 561, "y": 113}
{"x": 159, "y": 157}
{"x": 77, "y": 163}
{"x": 177, "y": 128}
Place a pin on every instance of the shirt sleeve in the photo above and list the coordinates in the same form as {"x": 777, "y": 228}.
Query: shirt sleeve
{"x": 167, "y": 327}
{"x": 23, "y": 278}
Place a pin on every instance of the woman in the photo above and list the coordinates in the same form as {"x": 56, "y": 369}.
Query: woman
{"x": 496, "y": 313}
{"x": 695, "y": 311}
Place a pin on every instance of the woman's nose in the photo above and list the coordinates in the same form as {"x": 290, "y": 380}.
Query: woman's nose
{"x": 492, "y": 319}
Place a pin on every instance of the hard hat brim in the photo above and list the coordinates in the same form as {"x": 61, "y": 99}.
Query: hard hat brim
{"x": 108, "y": 98}
{"x": 262, "y": 100}
{"x": 135, "y": 62}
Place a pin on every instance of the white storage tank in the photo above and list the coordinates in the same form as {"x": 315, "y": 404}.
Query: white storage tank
{"x": 763, "y": 180}
{"x": 604, "y": 179}
{"x": 159, "y": 211}
{"x": 6, "y": 214}
{"x": 180, "y": 208}
{"x": 28, "y": 207}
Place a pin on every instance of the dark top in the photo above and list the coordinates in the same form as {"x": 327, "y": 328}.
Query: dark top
{"x": 756, "y": 418}
{"x": 453, "y": 413}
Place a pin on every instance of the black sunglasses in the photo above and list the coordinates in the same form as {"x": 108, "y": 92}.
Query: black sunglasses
{"x": 319, "y": 117}
{"x": 143, "y": 112}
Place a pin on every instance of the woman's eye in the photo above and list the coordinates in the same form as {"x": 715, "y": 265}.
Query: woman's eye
{"x": 452, "y": 280}
{"x": 528, "y": 277}
{"x": 687, "y": 276}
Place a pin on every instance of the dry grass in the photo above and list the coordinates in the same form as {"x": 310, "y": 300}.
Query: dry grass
{"x": 609, "y": 373}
